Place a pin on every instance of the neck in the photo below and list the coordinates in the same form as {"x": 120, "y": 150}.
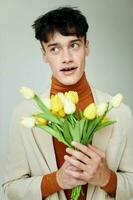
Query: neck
{"x": 59, "y": 87}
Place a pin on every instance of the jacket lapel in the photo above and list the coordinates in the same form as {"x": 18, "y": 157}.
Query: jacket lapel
{"x": 45, "y": 144}
{"x": 46, "y": 148}
{"x": 101, "y": 137}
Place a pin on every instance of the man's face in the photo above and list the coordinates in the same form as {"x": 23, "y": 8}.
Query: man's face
{"x": 66, "y": 57}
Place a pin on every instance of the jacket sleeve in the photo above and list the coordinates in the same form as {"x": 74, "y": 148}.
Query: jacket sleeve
{"x": 18, "y": 183}
{"x": 125, "y": 172}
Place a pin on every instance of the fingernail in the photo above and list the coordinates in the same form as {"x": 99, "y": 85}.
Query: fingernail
{"x": 65, "y": 157}
{"x": 67, "y": 149}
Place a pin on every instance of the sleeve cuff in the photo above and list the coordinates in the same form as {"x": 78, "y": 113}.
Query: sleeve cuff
{"x": 49, "y": 184}
{"x": 111, "y": 186}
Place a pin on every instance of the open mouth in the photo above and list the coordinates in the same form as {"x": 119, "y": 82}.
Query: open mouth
{"x": 68, "y": 69}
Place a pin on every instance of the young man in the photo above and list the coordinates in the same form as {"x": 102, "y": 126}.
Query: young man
{"x": 39, "y": 166}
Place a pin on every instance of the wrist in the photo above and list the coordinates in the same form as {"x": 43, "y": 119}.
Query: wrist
{"x": 58, "y": 179}
{"x": 107, "y": 178}
{"x": 111, "y": 186}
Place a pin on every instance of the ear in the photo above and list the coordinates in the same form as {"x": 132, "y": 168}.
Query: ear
{"x": 44, "y": 57}
{"x": 87, "y": 51}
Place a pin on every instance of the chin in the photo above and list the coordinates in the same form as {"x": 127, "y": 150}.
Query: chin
{"x": 70, "y": 81}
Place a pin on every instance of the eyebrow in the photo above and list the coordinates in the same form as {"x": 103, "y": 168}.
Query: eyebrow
{"x": 56, "y": 43}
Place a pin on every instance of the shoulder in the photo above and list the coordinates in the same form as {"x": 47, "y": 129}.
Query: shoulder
{"x": 100, "y": 96}
{"x": 122, "y": 115}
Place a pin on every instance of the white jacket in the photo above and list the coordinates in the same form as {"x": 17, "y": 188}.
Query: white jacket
{"x": 31, "y": 155}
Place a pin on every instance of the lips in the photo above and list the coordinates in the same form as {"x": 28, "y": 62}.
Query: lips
{"x": 67, "y": 69}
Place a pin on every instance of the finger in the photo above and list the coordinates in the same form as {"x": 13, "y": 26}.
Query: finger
{"x": 78, "y": 155}
{"x": 73, "y": 168}
{"x": 77, "y": 175}
{"x": 96, "y": 150}
{"x": 80, "y": 182}
{"x": 75, "y": 162}
{"x": 89, "y": 152}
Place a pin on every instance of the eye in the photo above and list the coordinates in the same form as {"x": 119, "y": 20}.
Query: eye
{"x": 54, "y": 50}
{"x": 74, "y": 45}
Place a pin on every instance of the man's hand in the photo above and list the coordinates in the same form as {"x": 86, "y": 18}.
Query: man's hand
{"x": 91, "y": 163}
{"x": 65, "y": 180}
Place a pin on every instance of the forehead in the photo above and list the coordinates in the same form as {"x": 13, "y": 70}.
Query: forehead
{"x": 57, "y": 38}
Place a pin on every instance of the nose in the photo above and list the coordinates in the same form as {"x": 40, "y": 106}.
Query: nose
{"x": 67, "y": 56}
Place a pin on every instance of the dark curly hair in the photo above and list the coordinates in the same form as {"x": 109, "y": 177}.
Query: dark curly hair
{"x": 65, "y": 20}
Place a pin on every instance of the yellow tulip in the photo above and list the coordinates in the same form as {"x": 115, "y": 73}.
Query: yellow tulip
{"x": 41, "y": 121}
{"x": 72, "y": 96}
{"x": 61, "y": 113}
{"x": 56, "y": 104}
{"x": 90, "y": 111}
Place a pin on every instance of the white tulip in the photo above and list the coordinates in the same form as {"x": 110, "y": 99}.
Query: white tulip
{"x": 28, "y": 122}
{"x": 27, "y": 92}
{"x": 69, "y": 107}
{"x": 116, "y": 100}
{"x": 101, "y": 108}
{"x": 62, "y": 97}
{"x": 47, "y": 102}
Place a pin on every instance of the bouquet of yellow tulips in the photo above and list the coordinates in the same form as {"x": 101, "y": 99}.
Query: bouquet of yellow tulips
{"x": 58, "y": 117}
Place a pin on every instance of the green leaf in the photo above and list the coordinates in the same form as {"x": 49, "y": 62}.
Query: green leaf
{"x": 102, "y": 125}
{"x": 83, "y": 123}
{"x": 66, "y": 132}
{"x": 75, "y": 115}
{"x": 73, "y": 132}
{"x": 46, "y": 113}
{"x": 90, "y": 129}
{"x": 55, "y": 127}
{"x": 72, "y": 119}
{"x": 83, "y": 129}
{"x": 59, "y": 127}
{"x": 71, "y": 129}
{"x": 76, "y": 191}
{"x": 81, "y": 114}
{"x": 53, "y": 133}
{"x": 76, "y": 133}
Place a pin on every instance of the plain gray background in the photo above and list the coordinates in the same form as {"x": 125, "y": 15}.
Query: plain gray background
{"x": 109, "y": 66}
